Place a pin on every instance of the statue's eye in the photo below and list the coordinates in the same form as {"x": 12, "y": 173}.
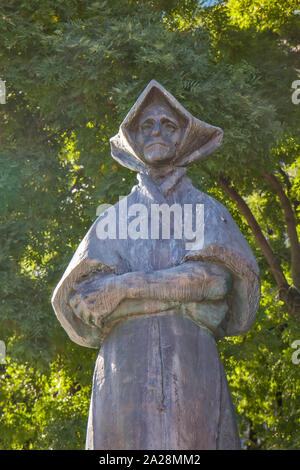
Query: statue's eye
{"x": 147, "y": 126}
{"x": 170, "y": 126}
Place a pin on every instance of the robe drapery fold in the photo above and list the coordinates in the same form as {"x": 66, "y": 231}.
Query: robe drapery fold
{"x": 159, "y": 384}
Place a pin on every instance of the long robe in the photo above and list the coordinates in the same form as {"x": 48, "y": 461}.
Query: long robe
{"x": 158, "y": 380}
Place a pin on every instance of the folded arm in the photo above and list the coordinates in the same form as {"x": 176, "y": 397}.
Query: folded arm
{"x": 102, "y": 295}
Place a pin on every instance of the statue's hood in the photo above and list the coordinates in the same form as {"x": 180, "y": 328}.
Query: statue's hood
{"x": 199, "y": 138}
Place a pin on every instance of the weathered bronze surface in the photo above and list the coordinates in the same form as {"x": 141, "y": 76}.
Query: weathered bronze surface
{"x": 155, "y": 307}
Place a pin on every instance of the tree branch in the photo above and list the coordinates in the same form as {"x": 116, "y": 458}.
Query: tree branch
{"x": 289, "y": 187}
{"x": 290, "y": 224}
{"x": 286, "y": 179}
{"x": 274, "y": 264}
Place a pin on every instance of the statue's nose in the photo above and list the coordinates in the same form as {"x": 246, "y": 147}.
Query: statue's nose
{"x": 156, "y": 131}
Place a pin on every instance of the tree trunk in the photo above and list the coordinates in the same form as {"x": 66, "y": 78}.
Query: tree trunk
{"x": 288, "y": 294}
{"x": 290, "y": 224}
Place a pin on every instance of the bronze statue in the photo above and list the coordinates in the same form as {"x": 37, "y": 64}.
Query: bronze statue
{"x": 155, "y": 299}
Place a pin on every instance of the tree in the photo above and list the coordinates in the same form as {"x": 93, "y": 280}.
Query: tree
{"x": 266, "y": 35}
{"x": 73, "y": 69}
{"x": 242, "y": 30}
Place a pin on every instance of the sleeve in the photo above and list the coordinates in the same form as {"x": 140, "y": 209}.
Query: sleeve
{"x": 224, "y": 244}
{"x": 92, "y": 256}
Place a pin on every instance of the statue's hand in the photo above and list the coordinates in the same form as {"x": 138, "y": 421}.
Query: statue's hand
{"x": 212, "y": 281}
{"x": 96, "y": 297}
{"x": 206, "y": 314}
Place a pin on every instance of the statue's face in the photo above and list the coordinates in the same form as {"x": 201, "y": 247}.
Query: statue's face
{"x": 158, "y": 135}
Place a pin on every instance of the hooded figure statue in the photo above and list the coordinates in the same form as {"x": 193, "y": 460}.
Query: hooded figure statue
{"x": 158, "y": 278}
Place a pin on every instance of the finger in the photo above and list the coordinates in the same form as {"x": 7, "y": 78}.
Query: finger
{"x": 218, "y": 287}
{"x": 206, "y": 313}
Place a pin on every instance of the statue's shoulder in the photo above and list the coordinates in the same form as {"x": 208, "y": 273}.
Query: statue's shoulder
{"x": 211, "y": 204}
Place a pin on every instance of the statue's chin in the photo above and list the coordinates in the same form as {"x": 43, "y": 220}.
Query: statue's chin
{"x": 157, "y": 157}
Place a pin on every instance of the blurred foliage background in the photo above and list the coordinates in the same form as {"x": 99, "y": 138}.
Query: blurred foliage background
{"x": 73, "y": 69}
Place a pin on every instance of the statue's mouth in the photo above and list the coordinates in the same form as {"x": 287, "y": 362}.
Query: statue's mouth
{"x": 151, "y": 144}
